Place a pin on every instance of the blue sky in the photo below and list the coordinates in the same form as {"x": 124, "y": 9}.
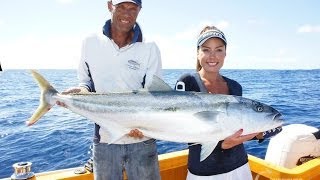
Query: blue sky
{"x": 274, "y": 34}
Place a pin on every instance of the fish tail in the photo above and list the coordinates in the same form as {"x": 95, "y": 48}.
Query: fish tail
{"x": 46, "y": 92}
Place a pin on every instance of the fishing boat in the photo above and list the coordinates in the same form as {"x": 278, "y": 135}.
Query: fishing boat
{"x": 174, "y": 166}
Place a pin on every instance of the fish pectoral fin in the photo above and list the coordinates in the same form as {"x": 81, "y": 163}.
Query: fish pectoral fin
{"x": 206, "y": 150}
{"x": 114, "y": 139}
{"x": 116, "y": 133}
{"x": 211, "y": 116}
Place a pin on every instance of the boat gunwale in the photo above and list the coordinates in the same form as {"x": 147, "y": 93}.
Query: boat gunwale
{"x": 179, "y": 159}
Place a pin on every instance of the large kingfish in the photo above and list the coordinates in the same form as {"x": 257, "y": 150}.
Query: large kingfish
{"x": 165, "y": 114}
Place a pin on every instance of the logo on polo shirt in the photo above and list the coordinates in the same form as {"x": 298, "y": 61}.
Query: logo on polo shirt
{"x": 132, "y": 64}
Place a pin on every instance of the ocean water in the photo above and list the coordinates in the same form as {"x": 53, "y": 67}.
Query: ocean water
{"x": 62, "y": 139}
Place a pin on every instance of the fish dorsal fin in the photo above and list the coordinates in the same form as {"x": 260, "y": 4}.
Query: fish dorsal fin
{"x": 159, "y": 85}
{"x": 208, "y": 115}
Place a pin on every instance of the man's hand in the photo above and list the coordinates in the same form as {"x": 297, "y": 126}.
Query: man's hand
{"x": 135, "y": 133}
{"x": 236, "y": 139}
{"x": 71, "y": 91}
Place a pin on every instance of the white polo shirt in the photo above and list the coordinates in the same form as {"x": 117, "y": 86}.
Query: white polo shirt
{"x": 115, "y": 69}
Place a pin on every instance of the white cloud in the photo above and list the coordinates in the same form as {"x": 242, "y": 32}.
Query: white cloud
{"x": 194, "y": 30}
{"x": 222, "y": 24}
{"x": 34, "y": 52}
{"x": 174, "y": 54}
{"x": 255, "y": 22}
{"x": 189, "y": 34}
{"x": 282, "y": 51}
{"x": 308, "y": 29}
{"x": 65, "y": 1}
{"x": 1, "y": 23}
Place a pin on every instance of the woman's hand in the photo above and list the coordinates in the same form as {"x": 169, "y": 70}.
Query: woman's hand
{"x": 236, "y": 139}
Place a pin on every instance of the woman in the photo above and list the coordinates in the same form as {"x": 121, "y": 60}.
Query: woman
{"x": 229, "y": 160}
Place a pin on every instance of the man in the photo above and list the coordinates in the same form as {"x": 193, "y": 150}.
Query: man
{"x": 112, "y": 61}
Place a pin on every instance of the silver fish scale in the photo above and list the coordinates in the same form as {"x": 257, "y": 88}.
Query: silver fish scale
{"x": 151, "y": 102}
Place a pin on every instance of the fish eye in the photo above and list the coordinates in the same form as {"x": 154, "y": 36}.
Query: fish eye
{"x": 259, "y": 108}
